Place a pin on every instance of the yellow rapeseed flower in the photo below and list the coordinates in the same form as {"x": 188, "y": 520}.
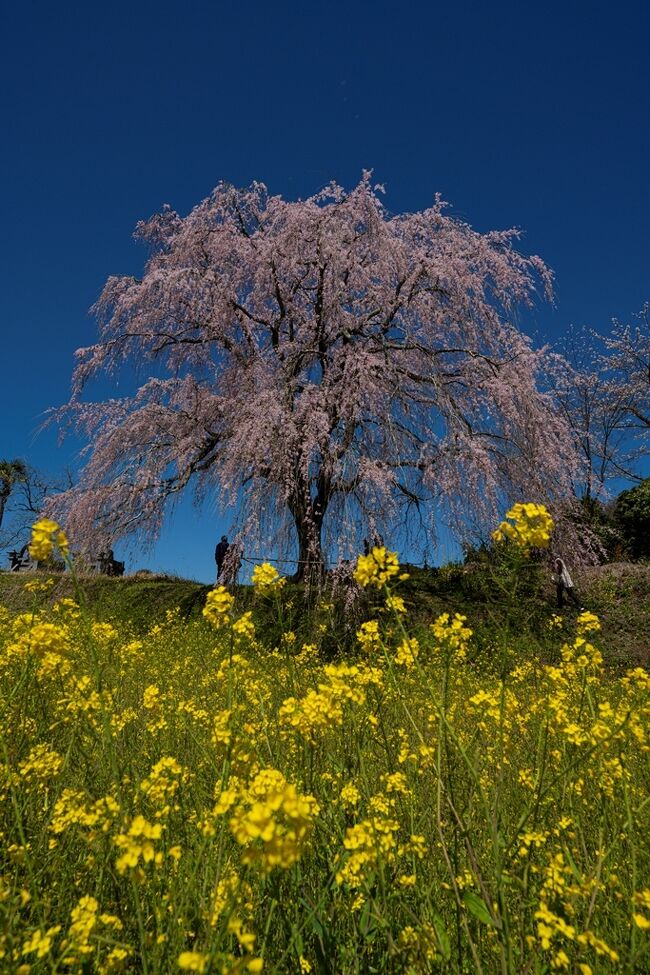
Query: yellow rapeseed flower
{"x": 267, "y": 579}
{"x": 529, "y": 526}
{"x": 192, "y": 961}
{"x": 138, "y": 842}
{"x": 41, "y": 764}
{"x": 45, "y": 535}
{"x": 40, "y": 942}
{"x": 218, "y": 605}
{"x": 407, "y": 652}
{"x": 376, "y": 568}
{"x": 273, "y": 821}
{"x": 244, "y": 628}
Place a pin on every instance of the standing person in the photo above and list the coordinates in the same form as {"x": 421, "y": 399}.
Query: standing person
{"x": 564, "y": 584}
{"x": 220, "y": 553}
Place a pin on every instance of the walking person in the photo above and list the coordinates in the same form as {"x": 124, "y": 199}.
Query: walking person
{"x": 220, "y": 553}
{"x": 564, "y": 584}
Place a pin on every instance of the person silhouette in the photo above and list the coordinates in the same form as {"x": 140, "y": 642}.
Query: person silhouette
{"x": 220, "y": 553}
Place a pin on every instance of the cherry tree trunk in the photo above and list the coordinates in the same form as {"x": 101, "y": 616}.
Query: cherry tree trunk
{"x": 308, "y": 520}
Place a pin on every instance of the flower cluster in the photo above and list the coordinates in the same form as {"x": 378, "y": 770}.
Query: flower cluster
{"x": 217, "y": 607}
{"x": 376, "y": 568}
{"x": 267, "y": 579}
{"x": 451, "y": 634}
{"x": 315, "y": 713}
{"x": 163, "y": 783}
{"x": 368, "y": 844}
{"x": 273, "y": 821}
{"x": 368, "y": 635}
{"x": 47, "y": 534}
{"x": 407, "y": 652}
{"x": 138, "y": 842}
{"x": 529, "y": 526}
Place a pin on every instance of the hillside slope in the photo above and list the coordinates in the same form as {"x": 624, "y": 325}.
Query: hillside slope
{"x": 618, "y": 593}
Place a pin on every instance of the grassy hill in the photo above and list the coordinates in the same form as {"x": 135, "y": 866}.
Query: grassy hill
{"x": 618, "y": 593}
{"x": 141, "y": 599}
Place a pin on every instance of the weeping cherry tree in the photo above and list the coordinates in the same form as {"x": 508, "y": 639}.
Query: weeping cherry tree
{"x": 322, "y": 366}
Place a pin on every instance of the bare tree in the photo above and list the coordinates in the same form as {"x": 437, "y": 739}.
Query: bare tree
{"x": 12, "y": 472}
{"x": 27, "y": 503}
{"x": 595, "y": 403}
{"x": 628, "y": 359}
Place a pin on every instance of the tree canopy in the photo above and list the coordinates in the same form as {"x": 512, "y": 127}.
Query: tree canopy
{"x": 12, "y": 472}
{"x": 632, "y": 513}
{"x": 321, "y": 365}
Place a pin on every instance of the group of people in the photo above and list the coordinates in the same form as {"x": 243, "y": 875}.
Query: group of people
{"x": 20, "y": 559}
{"x": 228, "y": 558}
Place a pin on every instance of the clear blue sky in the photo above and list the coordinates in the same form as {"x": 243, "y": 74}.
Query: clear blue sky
{"x": 533, "y": 115}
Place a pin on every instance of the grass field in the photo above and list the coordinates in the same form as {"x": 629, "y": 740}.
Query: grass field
{"x": 347, "y": 783}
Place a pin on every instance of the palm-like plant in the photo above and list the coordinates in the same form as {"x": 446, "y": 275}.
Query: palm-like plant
{"x": 12, "y": 472}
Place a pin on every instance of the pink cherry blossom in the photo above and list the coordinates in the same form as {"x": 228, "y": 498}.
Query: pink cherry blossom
{"x": 322, "y": 366}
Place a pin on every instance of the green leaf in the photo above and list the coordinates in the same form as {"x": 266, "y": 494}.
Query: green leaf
{"x": 314, "y": 923}
{"x": 442, "y": 938}
{"x": 367, "y": 923}
{"x": 477, "y": 906}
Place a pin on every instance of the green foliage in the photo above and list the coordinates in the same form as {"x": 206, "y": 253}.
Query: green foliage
{"x": 632, "y": 514}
